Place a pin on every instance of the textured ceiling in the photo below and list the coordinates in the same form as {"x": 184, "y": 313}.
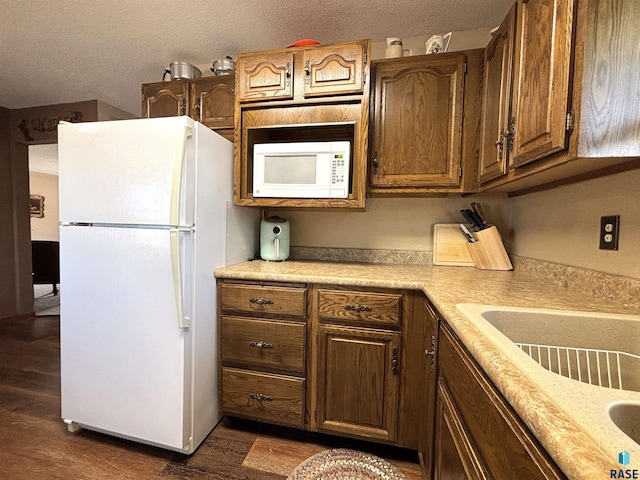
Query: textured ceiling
{"x": 74, "y": 50}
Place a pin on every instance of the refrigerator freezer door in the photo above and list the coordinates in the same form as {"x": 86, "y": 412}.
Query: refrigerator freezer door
{"x": 126, "y": 172}
{"x": 125, "y": 363}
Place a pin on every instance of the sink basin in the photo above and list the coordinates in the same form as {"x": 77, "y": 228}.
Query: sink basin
{"x": 626, "y": 417}
{"x": 578, "y": 348}
{"x": 599, "y": 349}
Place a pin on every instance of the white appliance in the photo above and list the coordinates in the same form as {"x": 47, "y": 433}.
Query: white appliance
{"x": 146, "y": 216}
{"x": 301, "y": 169}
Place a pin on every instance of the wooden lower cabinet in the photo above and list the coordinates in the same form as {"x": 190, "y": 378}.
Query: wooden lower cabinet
{"x": 374, "y": 364}
{"x": 263, "y": 348}
{"x": 338, "y": 360}
{"x": 478, "y": 435}
{"x": 358, "y": 381}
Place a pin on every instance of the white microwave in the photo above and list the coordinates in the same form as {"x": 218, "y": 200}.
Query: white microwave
{"x": 301, "y": 170}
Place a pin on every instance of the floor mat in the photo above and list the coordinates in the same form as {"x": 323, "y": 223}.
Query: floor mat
{"x": 282, "y": 456}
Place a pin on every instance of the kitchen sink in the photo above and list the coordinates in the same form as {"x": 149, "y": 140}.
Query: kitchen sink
{"x": 594, "y": 360}
{"x": 626, "y": 417}
{"x": 599, "y": 349}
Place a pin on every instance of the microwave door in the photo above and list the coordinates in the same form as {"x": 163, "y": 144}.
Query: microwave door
{"x": 289, "y": 175}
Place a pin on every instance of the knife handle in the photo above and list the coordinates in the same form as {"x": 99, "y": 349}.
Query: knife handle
{"x": 478, "y": 209}
{"x": 467, "y": 217}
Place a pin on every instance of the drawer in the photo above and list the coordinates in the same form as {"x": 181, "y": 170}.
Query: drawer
{"x": 263, "y": 300}
{"x": 360, "y": 307}
{"x": 263, "y": 344}
{"x": 262, "y": 396}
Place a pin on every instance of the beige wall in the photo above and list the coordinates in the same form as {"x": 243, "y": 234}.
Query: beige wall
{"x": 386, "y": 223}
{"x": 562, "y": 225}
{"x": 47, "y": 227}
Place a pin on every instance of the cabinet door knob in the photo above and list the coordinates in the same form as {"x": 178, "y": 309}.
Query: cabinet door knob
{"x": 307, "y": 72}
{"x": 394, "y": 361}
{"x": 511, "y": 133}
{"x": 500, "y": 144}
{"x": 374, "y": 162}
{"x": 287, "y": 75}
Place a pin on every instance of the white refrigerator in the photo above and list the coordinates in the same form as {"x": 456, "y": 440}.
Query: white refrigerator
{"x": 146, "y": 216}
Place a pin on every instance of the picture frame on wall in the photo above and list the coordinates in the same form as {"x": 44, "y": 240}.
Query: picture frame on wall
{"x": 36, "y": 206}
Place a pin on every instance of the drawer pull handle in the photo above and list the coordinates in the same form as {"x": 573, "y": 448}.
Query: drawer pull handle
{"x": 261, "y": 345}
{"x": 358, "y": 308}
{"x": 261, "y": 301}
{"x": 261, "y": 397}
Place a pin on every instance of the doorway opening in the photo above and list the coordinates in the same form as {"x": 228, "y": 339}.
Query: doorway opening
{"x": 45, "y": 230}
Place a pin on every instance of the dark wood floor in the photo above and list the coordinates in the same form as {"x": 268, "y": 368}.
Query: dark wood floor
{"x": 35, "y": 444}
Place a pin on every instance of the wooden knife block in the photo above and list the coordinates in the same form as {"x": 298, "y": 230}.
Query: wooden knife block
{"x": 488, "y": 252}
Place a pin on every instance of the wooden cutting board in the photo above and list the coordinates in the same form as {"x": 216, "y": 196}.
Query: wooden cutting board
{"x": 450, "y": 246}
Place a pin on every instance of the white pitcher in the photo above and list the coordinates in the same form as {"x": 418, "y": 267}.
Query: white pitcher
{"x": 438, "y": 43}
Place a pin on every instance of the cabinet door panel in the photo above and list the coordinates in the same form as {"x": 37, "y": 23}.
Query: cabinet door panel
{"x": 498, "y": 73}
{"x": 212, "y": 101}
{"x": 166, "y": 99}
{"x": 333, "y": 70}
{"x": 542, "y": 74}
{"x": 417, "y": 124}
{"x": 363, "y": 398}
{"x": 265, "y": 76}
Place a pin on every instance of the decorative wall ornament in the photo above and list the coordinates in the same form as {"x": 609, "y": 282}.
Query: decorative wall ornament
{"x": 36, "y": 206}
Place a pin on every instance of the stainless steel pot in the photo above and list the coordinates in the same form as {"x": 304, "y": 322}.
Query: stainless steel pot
{"x": 224, "y": 66}
{"x": 182, "y": 70}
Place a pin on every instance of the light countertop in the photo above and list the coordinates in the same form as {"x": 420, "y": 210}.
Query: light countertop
{"x": 569, "y": 419}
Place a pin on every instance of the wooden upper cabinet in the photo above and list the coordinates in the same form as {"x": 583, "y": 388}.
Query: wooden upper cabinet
{"x": 285, "y": 74}
{"x": 302, "y": 94}
{"x": 212, "y": 100}
{"x": 541, "y": 91}
{"x": 417, "y": 110}
{"x": 165, "y": 99}
{"x": 571, "y": 96}
{"x": 265, "y": 76}
{"x": 334, "y": 70}
{"x": 498, "y": 77}
{"x": 209, "y": 100}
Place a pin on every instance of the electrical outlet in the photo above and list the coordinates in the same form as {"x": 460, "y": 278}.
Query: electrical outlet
{"x": 609, "y": 232}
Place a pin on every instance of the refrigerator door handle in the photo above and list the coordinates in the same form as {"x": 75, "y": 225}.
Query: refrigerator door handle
{"x": 176, "y": 186}
{"x": 176, "y": 267}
